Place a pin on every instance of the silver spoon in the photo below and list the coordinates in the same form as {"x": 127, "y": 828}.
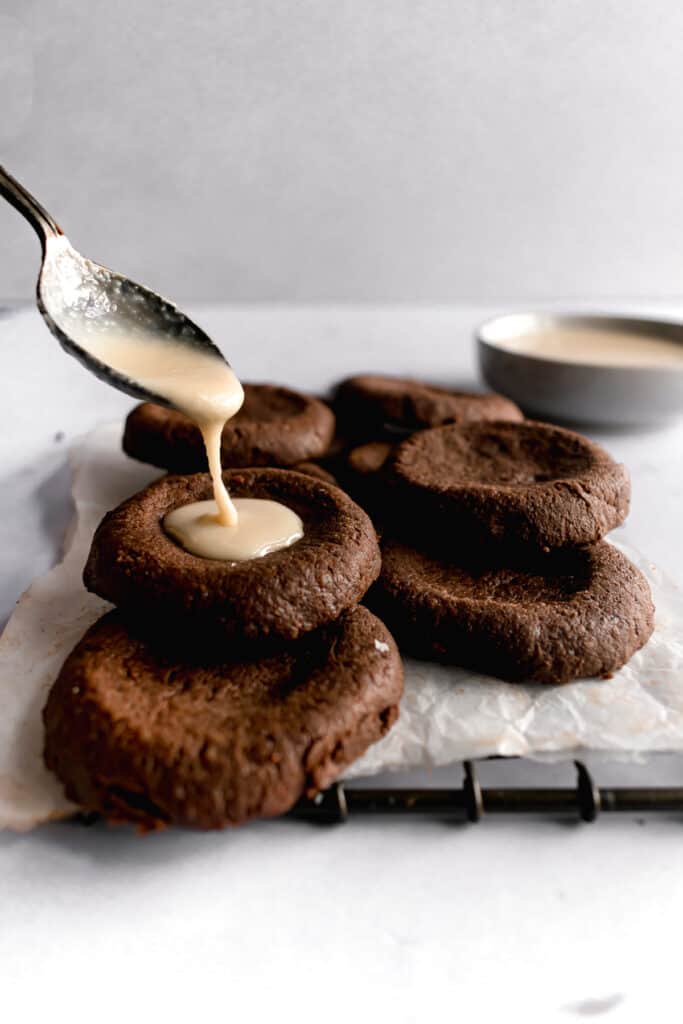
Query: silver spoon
{"x": 82, "y": 299}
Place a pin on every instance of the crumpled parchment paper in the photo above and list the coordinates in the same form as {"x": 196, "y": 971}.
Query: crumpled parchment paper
{"x": 447, "y": 714}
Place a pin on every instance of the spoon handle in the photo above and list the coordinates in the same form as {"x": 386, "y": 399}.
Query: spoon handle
{"x": 40, "y": 220}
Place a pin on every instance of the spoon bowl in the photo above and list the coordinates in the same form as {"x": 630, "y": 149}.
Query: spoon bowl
{"x": 98, "y": 315}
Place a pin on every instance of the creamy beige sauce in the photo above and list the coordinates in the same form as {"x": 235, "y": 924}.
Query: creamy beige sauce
{"x": 206, "y": 389}
{"x": 597, "y": 346}
{"x": 197, "y": 383}
{"x": 262, "y": 526}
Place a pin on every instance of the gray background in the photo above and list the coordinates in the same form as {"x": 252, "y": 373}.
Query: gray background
{"x": 351, "y": 150}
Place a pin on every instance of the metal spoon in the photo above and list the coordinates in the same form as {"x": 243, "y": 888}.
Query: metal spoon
{"x": 80, "y": 298}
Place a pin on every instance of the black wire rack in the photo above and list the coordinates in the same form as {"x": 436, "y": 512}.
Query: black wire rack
{"x": 472, "y": 802}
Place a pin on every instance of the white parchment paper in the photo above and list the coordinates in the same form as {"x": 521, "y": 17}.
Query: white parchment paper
{"x": 447, "y": 714}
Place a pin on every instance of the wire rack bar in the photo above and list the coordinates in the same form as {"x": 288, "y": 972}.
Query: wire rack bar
{"x": 586, "y": 800}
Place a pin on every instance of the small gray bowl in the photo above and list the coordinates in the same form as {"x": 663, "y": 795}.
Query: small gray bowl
{"x": 576, "y": 391}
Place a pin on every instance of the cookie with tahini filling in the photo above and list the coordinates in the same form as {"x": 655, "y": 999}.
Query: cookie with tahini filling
{"x": 137, "y": 566}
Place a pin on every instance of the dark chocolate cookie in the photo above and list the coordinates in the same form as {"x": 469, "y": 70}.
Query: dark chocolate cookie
{"x": 315, "y": 470}
{"x": 274, "y": 427}
{"x": 584, "y": 613}
{"x": 134, "y": 564}
{"x": 367, "y": 459}
{"x": 369, "y": 406}
{"x": 522, "y": 486}
{"x": 360, "y": 474}
{"x": 138, "y": 737}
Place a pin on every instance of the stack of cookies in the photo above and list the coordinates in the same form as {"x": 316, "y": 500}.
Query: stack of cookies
{"x": 493, "y": 555}
{"x": 221, "y": 691}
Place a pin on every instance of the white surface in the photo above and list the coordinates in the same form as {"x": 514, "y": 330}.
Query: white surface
{"x": 523, "y": 920}
{"x": 355, "y": 150}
